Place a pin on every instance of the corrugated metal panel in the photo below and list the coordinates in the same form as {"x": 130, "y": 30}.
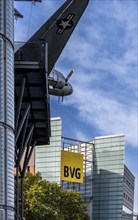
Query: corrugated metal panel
{"x": 6, "y": 111}
{"x": 9, "y": 20}
{"x": 10, "y": 215}
{"x": 10, "y": 86}
{"x": 2, "y": 185}
{"x": 1, "y": 82}
{"x": 1, "y": 17}
{"x": 10, "y": 168}
{"x": 2, "y": 214}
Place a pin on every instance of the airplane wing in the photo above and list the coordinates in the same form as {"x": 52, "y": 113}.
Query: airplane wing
{"x": 57, "y": 30}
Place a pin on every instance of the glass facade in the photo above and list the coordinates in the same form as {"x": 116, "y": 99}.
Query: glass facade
{"x": 47, "y": 158}
{"x": 128, "y": 194}
{"x": 108, "y": 177}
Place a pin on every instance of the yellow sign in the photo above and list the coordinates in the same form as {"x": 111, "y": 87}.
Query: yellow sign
{"x": 71, "y": 166}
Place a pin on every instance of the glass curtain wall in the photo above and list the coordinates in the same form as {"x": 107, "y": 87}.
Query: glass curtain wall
{"x": 47, "y": 157}
{"x": 108, "y": 177}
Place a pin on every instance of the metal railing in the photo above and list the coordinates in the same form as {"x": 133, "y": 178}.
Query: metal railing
{"x": 30, "y": 51}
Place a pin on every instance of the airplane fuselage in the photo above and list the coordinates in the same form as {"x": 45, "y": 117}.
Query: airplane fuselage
{"x": 58, "y": 85}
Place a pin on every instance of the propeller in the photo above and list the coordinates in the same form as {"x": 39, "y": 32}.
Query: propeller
{"x": 69, "y": 75}
{"x": 66, "y": 80}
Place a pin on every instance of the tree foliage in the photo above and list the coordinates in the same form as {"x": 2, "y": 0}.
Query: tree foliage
{"x": 46, "y": 201}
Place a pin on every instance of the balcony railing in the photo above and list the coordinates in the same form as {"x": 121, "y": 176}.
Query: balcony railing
{"x": 30, "y": 51}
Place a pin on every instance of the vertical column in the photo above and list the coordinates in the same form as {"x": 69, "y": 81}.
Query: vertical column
{"x": 6, "y": 111}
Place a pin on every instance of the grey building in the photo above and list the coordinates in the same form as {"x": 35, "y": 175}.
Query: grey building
{"x": 113, "y": 183}
{"x": 128, "y": 194}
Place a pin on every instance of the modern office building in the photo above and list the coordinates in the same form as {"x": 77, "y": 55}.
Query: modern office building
{"x": 108, "y": 188}
{"x": 128, "y": 194}
{"x": 47, "y": 158}
{"x": 113, "y": 183}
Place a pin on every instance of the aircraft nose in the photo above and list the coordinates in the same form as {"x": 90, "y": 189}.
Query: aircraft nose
{"x": 68, "y": 90}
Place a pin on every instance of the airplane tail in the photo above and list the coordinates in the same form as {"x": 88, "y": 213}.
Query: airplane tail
{"x": 57, "y": 30}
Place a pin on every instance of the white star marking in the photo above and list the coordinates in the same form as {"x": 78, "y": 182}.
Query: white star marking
{"x": 65, "y": 24}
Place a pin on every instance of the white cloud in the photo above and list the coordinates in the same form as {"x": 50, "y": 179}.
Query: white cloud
{"x": 79, "y": 135}
{"x": 105, "y": 112}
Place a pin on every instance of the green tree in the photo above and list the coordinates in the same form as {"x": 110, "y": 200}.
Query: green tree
{"x": 46, "y": 201}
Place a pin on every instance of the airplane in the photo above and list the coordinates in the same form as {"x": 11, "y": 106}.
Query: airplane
{"x": 56, "y": 33}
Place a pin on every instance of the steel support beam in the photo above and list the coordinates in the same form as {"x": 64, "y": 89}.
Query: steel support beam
{"x": 27, "y": 150}
{"x": 28, "y": 158}
{"x": 19, "y": 146}
{"x": 25, "y": 144}
{"x": 19, "y": 103}
{"x": 22, "y": 123}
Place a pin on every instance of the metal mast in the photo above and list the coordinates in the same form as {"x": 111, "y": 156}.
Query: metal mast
{"x": 6, "y": 110}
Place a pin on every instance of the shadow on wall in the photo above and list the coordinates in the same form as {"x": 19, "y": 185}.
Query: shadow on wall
{"x": 108, "y": 196}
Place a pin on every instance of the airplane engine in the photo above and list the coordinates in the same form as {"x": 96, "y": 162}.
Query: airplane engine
{"x": 56, "y": 79}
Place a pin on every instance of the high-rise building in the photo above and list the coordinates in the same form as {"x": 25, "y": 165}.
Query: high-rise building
{"x": 112, "y": 197}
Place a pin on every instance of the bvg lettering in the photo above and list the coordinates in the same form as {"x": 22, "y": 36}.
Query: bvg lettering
{"x": 72, "y": 171}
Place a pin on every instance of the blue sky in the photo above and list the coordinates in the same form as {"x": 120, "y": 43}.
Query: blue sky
{"x": 103, "y": 52}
